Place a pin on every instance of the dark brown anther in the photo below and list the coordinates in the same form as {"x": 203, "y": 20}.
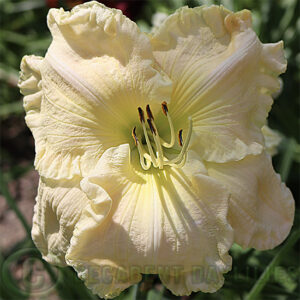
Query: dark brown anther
{"x": 149, "y": 112}
{"x": 141, "y": 115}
{"x": 134, "y": 136}
{"x": 164, "y": 108}
{"x": 180, "y": 137}
{"x": 151, "y": 126}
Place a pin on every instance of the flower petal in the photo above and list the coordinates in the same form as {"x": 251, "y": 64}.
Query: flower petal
{"x": 223, "y": 77}
{"x": 97, "y": 71}
{"x": 31, "y": 87}
{"x": 207, "y": 279}
{"x": 261, "y": 209}
{"x": 150, "y": 222}
{"x": 58, "y": 208}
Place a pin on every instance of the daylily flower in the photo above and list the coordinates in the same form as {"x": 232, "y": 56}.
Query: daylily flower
{"x": 144, "y": 144}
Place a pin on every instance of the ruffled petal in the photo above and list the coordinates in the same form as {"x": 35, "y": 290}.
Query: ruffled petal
{"x": 223, "y": 77}
{"x": 154, "y": 222}
{"x": 207, "y": 279}
{"x": 58, "y": 208}
{"x": 97, "y": 71}
{"x": 31, "y": 87}
{"x": 261, "y": 209}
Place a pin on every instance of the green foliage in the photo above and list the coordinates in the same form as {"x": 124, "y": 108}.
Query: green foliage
{"x": 255, "y": 275}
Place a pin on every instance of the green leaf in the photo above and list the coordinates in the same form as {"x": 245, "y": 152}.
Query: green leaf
{"x": 263, "y": 279}
{"x": 8, "y": 109}
{"x": 287, "y": 158}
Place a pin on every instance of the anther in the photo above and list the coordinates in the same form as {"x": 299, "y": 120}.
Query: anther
{"x": 180, "y": 137}
{"x": 166, "y": 113}
{"x": 151, "y": 126}
{"x": 164, "y": 108}
{"x": 149, "y": 112}
{"x": 134, "y": 136}
{"x": 141, "y": 115}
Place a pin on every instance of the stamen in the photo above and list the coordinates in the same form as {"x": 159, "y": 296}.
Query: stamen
{"x": 164, "y": 108}
{"x": 157, "y": 139}
{"x": 159, "y": 160}
{"x": 141, "y": 115}
{"x": 172, "y": 140}
{"x": 149, "y": 112}
{"x": 180, "y": 164}
{"x": 185, "y": 144}
{"x": 149, "y": 146}
{"x": 154, "y": 129}
{"x": 134, "y": 136}
{"x": 180, "y": 137}
{"x": 159, "y": 152}
{"x": 151, "y": 127}
{"x": 143, "y": 155}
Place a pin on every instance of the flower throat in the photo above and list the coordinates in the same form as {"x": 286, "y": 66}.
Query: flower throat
{"x": 155, "y": 155}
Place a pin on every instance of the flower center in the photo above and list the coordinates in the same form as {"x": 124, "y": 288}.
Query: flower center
{"x": 155, "y": 144}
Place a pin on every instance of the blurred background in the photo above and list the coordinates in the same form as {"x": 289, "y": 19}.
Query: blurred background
{"x": 270, "y": 274}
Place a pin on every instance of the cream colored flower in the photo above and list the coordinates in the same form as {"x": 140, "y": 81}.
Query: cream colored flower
{"x": 224, "y": 77}
{"x": 119, "y": 195}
